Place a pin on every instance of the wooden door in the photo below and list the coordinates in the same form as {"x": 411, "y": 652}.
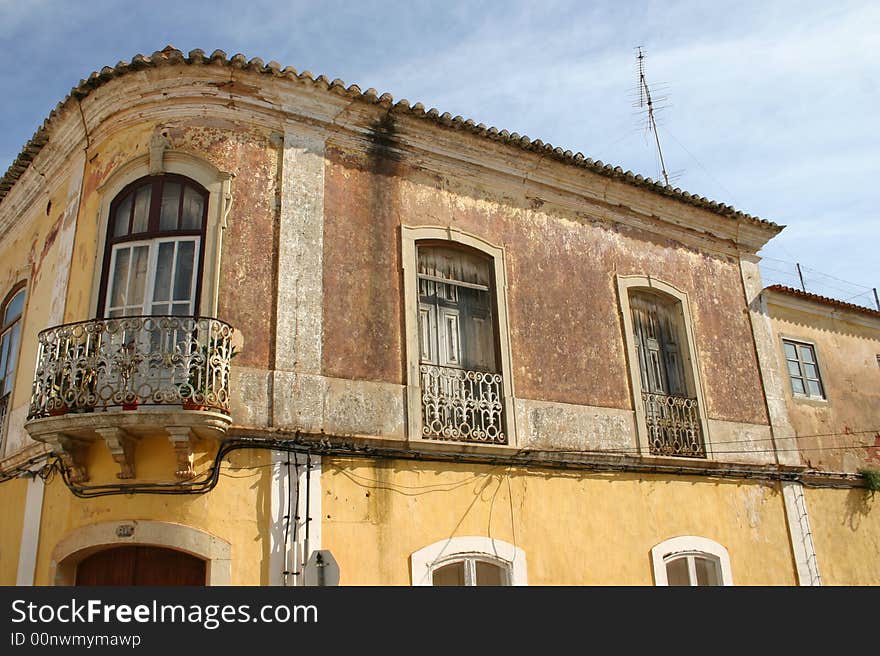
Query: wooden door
{"x": 137, "y": 565}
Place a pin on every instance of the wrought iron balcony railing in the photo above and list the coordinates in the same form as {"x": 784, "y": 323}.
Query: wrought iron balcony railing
{"x": 129, "y": 361}
{"x": 462, "y": 405}
{"x": 673, "y": 426}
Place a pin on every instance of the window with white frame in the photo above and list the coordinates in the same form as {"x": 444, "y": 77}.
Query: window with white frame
{"x": 691, "y": 561}
{"x": 469, "y": 561}
{"x": 803, "y": 369}
{"x": 153, "y": 250}
{"x": 471, "y": 570}
{"x": 10, "y": 339}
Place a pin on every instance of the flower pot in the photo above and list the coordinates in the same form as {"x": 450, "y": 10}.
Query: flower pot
{"x": 130, "y": 406}
{"x": 189, "y": 404}
{"x": 61, "y": 410}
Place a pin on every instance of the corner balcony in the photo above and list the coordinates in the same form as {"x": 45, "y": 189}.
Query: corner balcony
{"x": 119, "y": 380}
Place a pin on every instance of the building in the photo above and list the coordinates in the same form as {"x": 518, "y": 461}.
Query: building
{"x": 255, "y": 316}
{"x": 828, "y": 354}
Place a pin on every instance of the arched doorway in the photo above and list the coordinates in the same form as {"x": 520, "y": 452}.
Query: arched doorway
{"x": 141, "y": 565}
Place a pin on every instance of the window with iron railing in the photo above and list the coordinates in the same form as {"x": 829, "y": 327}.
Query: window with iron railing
{"x": 460, "y": 379}
{"x": 671, "y": 410}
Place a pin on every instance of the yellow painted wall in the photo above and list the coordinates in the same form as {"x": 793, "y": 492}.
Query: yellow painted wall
{"x": 846, "y": 535}
{"x": 576, "y": 528}
{"x": 12, "y": 500}
{"x": 237, "y": 510}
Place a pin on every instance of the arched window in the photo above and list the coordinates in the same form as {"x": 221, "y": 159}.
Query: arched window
{"x": 667, "y": 393}
{"x": 691, "y": 560}
{"x": 469, "y": 560}
{"x": 154, "y": 248}
{"x": 10, "y": 338}
{"x": 458, "y": 355}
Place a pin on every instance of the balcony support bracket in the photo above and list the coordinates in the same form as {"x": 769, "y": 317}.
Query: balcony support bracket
{"x": 181, "y": 439}
{"x": 72, "y": 452}
{"x": 121, "y": 445}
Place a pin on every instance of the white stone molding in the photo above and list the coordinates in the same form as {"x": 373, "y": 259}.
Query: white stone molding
{"x": 30, "y": 532}
{"x": 685, "y": 545}
{"x": 219, "y": 187}
{"x": 295, "y": 501}
{"x": 800, "y": 533}
{"x": 426, "y": 560}
{"x": 87, "y": 540}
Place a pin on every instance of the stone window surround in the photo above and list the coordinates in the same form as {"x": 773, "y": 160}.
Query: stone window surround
{"x": 18, "y": 287}
{"x": 689, "y": 545}
{"x": 410, "y": 235}
{"x": 424, "y": 561}
{"x": 87, "y": 540}
{"x": 218, "y": 184}
{"x": 630, "y": 283}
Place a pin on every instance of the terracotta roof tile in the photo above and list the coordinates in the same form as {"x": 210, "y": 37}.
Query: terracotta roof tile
{"x": 170, "y": 56}
{"x": 825, "y": 300}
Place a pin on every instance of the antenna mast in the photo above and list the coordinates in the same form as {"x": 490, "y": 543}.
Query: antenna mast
{"x": 645, "y": 101}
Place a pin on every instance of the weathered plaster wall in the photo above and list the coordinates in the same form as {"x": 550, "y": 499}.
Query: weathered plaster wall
{"x": 36, "y": 250}
{"x": 576, "y": 528}
{"x": 846, "y": 533}
{"x": 566, "y": 334}
{"x": 246, "y": 297}
{"x": 236, "y": 511}
{"x": 12, "y": 500}
{"x": 842, "y": 432}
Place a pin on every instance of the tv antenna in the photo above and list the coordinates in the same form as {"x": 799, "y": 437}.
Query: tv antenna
{"x": 645, "y": 101}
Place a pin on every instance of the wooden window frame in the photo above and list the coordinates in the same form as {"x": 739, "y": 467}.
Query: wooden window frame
{"x": 449, "y": 237}
{"x": 153, "y": 233}
{"x": 798, "y": 344}
{"x": 449, "y": 550}
{"x": 687, "y": 546}
{"x": 5, "y": 328}
{"x": 690, "y": 363}
{"x": 217, "y": 183}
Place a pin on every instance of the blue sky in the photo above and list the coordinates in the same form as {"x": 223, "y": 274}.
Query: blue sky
{"x": 771, "y": 106}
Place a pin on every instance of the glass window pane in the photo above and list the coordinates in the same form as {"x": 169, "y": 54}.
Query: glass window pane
{"x": 4, "y": 347}
{"x": 120, "y": 277}
{"x": 489, "y": 574}
{"x": 11, "y": 357}
{"x": 140, "y": 221}
{"x": 452, "y": 574}
{"x": 170, "y": 206}
{"x": 164, "y": 264}
{"x": 181, "y": 309}
{"x": 793, "y": 368}
{"x": 183, "y": 271}
{"x": 14, "y": 309}
{"x": 790, "y": 351}
{"x": 797, "y": 385}
{"x": 193, "y": 209}
{"x": 707, "y": 571}
{"x": 815, "y": 389}
{"x": 159, "y": 309}
{"x": 810, "y": 371}
{"x": 806, "y": 354}
{"x": 123, "y": 214}
{"x": 677, "y": 572}
{"x": 137, "y": 280}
